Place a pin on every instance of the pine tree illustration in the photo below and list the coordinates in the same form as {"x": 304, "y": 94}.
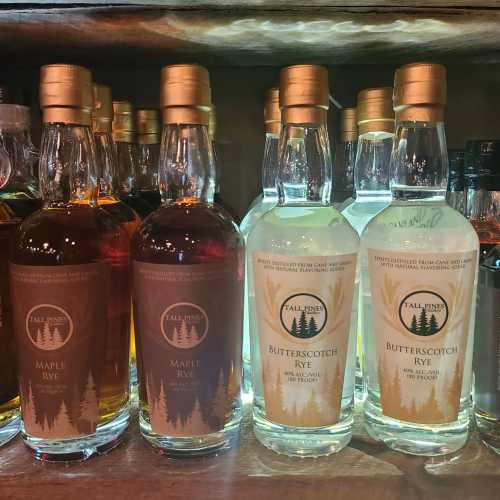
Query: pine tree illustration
{"x": 219, "y": 400}
{"x": 58, "y": 340}
{"x": 313, "y": 329}
{"x": 423, "y": 325}
{"x": 175, "y": 336}
{"x": 45, "y": 334}
{"x": 162, "y": 404}
{"x": 183, "y": 334}
{"x": 303, "y": 325}
{"x": 293, "y": 330}
{"x": 38, "y": 337}
{"x": 195, "y": 334}
{"x": 89, "y": 410}
{"x": 414, "y": 325}
{"x": 433, "y": 325}
{"x": 63, "y": 426}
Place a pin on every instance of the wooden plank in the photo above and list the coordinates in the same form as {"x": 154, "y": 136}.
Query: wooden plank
{"x": 341, "y": 36}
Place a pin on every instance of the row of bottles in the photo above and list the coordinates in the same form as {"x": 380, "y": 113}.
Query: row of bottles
{"x": 369, "y": 293}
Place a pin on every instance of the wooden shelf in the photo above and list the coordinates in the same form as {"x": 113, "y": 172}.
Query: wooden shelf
{"x": 258, "y": 33}
{"x": 250, "y": 471}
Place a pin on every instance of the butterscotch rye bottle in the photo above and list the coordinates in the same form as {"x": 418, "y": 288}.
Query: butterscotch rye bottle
{"x": 301, "y": 258}
{"x": 69, "y": 278}
{"x": 419, "y": 262}
{"x": 188, "y": 267}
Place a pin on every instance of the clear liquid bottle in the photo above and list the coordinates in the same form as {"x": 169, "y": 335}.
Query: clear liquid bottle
{"x": 148, "y": 153}
{"x": 69, "y": 278}
{"x": 188, "y": 260}
{"x": 123, "y": 128}
{"x": 18, "y": 186}
{"x": 301, "y": 258}
{"x": 419, "y": 266}
{"x": 345, "y": 158}
{"x": 371, "y": 177}
{"x": 455, "y": 194}
{"x": 269, "y": 198}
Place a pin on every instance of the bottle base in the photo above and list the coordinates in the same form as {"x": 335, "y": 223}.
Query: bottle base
{"x": 300, "y": 441}
{"x": 10, "y": 430}
{"x": 488, "y": 427}
{"x": 107, "y": 437}
{"x": 417, "y": 439}
{"x": 192, "y": 446}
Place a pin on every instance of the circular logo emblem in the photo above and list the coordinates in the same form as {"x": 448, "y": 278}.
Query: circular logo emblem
{"x": 303, "y": 315}
{"x": 184, "y": 325}
{"x": 423, "y": 313}
{"x": 48, "y": 327}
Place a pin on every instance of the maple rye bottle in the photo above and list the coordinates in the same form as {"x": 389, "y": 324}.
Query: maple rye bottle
{"x": 188, "y": 286}
{"x": 69, "y": 278}
{"x": 419, "y": 262}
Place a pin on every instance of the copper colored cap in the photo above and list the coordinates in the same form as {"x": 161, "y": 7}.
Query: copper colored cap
{"x": 185, "y": 94}
{"x": 304, "y": 94}
{"x": 123, "y": 121}
{"x": 374, "y": 110}
{"x": 102, "y": 113}
{"x": 272, "y": 111}
{"x": 420, "y": 92}
{"x": 348, "y": 125}
{"x": 66, "y": 94}
{"x": 212, "y": 122}
{"x": 147, "y": 123}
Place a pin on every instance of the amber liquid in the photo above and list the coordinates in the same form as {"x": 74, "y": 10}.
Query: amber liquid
{"x": 488, "y": 231}
{"x": 185, "y": 233}
{"x": 44, "y": 240}
{"x": 9, "y": 399}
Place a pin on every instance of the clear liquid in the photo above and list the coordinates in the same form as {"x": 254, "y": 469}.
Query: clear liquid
{"x": 423, "y": 227}
{"x": 304, "y": 231}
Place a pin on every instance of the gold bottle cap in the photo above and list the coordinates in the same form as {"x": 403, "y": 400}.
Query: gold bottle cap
{"x": 304, "y": 94}
{"x": 123, "y": 121}
{"x": 66, "y": 94}
{"x": 212, "y": 122}
{"x": 147, "y": 126}
{"x": 102, "y": 113}
{"x": 420, "y": 92}
{"x": 374, "y": 110}
{"x": 272, "y": 111}
{"x": 348, "y": 125}
{"x": 185, "y": 94}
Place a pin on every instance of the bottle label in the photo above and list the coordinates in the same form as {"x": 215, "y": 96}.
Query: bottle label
{"x": 303, "y": 318}
{"x": 188, "y": 326}
{"x": 60, "y": 324}
{"x": 422, "y": 317}
{"x": 8, "y": 387}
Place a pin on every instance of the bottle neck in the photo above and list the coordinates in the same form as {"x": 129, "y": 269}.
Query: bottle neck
{"x": 371, "y": 170}
{"x": 305, "y": 165}
{"x": 419, "y": 162}
{"x": 67, "y": 164}
{"x": 106, "y": 164}
{"x": 186, "y": 167}
{"x": 126, "y": 161}
{"x": 270, "y": 167}
{"x": 147, "y": 167}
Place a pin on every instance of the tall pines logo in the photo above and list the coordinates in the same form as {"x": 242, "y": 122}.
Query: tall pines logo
{"x": 423, "y": 313}
{"x": 303, "y": 315}
{"x": 48, "y": 327}
{"x": 184, "y": 325}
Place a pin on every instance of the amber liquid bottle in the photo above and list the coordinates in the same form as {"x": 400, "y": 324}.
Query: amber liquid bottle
{"x": 126, "y": 156}
{"x": 69, "y": 278}
{"x": 148, "y": 153}
{"x": 9, "y": 399}
{"x": 188, "y": 287}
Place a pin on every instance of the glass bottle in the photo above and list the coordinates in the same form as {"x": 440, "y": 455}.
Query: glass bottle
{"x": 148, "y": 154}
{"x": 123, "y": 129}
{"x": 268, "y": 199}
{"x": 483, "y": 196}
{"x": 487, "y": 350}
{"x": 419, "y": 267}
{"x": 18, "y": 186}
{"x": 69, "y": 278}
{"x": 301, "y": 258}
{"x": 345, "y": 158}
{"x": 108, "y": 197}
{"x": 371, "y": 176}
{"x": 455, "y": 194}
{"x": 188, "y": 287}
